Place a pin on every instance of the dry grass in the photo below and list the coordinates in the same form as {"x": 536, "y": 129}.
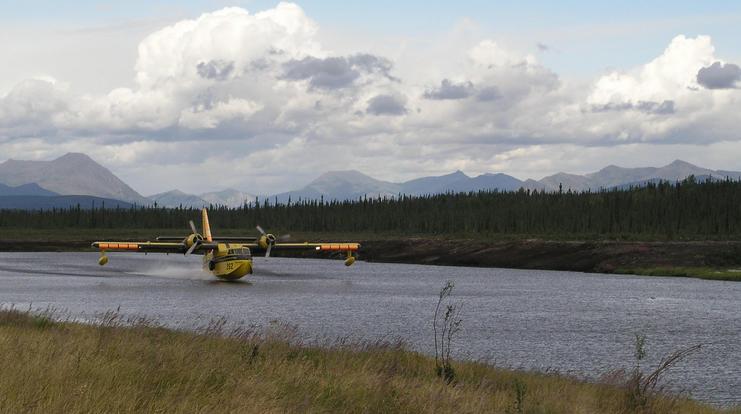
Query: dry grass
{"x": 54, "y": 367}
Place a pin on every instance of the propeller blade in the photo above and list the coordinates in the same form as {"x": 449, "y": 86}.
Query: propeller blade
{"x": 193, "y": 227}
{"x": 193, "y": 247}
{"x": 260, "y": 229}
{"x": 284, "y": 237}
{"x": 267, "y": 252}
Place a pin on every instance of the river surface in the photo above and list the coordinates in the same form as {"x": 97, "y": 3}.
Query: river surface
{"x": 582, "y": 324}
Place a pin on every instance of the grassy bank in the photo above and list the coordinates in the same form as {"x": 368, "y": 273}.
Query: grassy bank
{"x": 50, "y": 366}
{"x": 733, "y": 275}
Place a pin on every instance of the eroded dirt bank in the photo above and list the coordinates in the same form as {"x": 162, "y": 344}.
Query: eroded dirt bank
{"x": 591, "y": 256}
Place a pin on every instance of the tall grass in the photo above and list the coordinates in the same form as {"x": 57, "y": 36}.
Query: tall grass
{"x": 136, "y": 366}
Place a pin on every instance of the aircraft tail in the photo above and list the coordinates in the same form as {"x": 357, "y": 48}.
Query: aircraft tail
{"x": 206, "y": 227}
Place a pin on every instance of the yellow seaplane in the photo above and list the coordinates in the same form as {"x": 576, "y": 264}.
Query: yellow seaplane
{"x": 227, "y": 258}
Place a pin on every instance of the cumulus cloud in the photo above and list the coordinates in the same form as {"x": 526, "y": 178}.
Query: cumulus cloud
{"x": 491, "y": 54}
{"x": 450, "y": 90}
{"x": 207, "y": 117}
{"x": 670, "y": 76}
{"x": 31, "y": 108}
{"x": 719, "y": 76}
{"x": 335, "y": 72}
{"x": 659, "y": 108}
{"x": 489, "y": 93}
{"x": 215, "y": 69}
{"x": 173, "y": 53}
{"x": 386, "y": 105}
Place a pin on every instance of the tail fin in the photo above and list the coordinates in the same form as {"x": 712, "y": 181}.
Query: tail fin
{"x": 206, "y": 228}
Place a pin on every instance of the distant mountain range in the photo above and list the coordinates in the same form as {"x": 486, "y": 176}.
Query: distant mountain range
{"x": 613, "y": 176}
{"x": 349, "y": 185}
{"x": 31, "y": 189}
{"x": 48, "y": 184}
{"x": 229, "y": 197}
{"x": 176, "y": 198}
{"x": 78, "y": 175}
{"x": 71, "y": 174}
{"x": 31, "y": 202}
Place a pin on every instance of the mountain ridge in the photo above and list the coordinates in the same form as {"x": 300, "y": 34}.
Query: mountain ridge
{"x": 31, "y": 189}
{"x": 176, "y": 198}
{"x": 37, "y": 202}
{"x": 70, "y": 174}
{"x": 330, "y": 187}
{"x": 78, "y": 174}
{"x": 228, "y": 197}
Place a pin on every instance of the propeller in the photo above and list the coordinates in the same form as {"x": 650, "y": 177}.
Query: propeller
{"x": 192, "y": 247}
{"x": 197, "y": 239}
{"x": 269, "y": 239}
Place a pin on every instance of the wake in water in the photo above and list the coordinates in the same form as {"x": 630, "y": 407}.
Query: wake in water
{"x": 171, "y": 271}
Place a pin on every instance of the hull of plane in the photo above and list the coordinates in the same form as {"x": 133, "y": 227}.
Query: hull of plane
{"x": 232, "y": 269}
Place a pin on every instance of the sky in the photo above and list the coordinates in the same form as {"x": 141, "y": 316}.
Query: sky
{"x": 263, "y": 96}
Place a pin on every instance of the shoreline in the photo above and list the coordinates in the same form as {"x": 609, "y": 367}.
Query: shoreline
{"x": 715, "y": 260}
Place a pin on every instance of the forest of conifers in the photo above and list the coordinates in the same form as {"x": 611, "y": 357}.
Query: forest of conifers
{"x": 708, "y": 210}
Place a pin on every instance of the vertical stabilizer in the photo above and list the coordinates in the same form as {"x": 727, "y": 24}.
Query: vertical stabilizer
{"x": 206, "y": 227}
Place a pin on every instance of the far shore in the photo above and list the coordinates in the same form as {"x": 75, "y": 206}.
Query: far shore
{"x": 716, "y": 260}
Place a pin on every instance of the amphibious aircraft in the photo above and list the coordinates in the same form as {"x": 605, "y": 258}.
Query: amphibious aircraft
{"x": 228, "y": 258}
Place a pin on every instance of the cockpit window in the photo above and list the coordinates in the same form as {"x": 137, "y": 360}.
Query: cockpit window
{"x": 240, "y": 251}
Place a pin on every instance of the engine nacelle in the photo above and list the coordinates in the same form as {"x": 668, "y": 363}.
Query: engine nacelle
{"x": 191, "y": 240}
{"x": 265, "y": 240}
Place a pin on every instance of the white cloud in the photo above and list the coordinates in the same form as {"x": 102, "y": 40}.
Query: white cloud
{"x": 211, "y": 117}
{"x": 671, "y": 76}
{"x": 30, "y": 108}
{"x": 662, "y": 100}
{"x": 489, "y": 54}
{"x": 171, "y": 55}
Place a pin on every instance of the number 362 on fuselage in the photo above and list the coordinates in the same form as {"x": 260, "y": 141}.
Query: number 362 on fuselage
{"x": 228, "y": 258}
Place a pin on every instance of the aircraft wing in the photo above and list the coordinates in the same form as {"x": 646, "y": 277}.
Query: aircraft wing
{"x": 141, "y": 247}
{"x": 331, "y": 247}
{"x": 348, "y": 248}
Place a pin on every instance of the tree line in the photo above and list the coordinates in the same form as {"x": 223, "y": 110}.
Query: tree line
{"x": 686, "y": 209}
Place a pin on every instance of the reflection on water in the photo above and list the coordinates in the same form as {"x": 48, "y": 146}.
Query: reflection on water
{"x": 570, "y": 322}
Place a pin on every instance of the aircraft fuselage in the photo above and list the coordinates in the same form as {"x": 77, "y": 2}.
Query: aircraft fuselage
{"x": 228, "y": 263}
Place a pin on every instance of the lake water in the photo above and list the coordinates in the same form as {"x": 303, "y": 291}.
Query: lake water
{"x": 578, "y": 323}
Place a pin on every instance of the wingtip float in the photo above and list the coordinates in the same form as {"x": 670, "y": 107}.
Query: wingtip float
{"x": 226, "y": 258}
